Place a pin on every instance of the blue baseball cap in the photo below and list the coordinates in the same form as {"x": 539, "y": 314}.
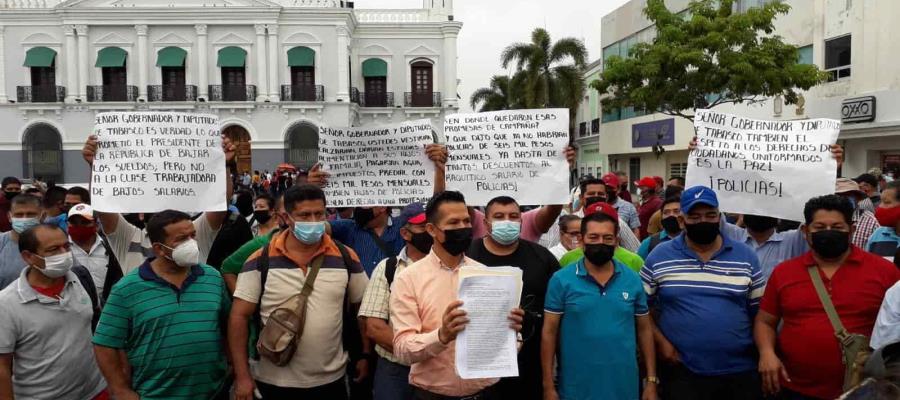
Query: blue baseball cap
{"x": 696, "y": 195}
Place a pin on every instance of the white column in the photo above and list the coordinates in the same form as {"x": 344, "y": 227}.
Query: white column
{"x": 274, "y": 84}
{"x": 71, "y": 57}
{"x": 143, "y": 63}
{"x": 202, "y": 63}
{"x": 3, "y": 97}
{"x": 343, "y": 54}
{"x": 261, "y": 63}
{"x": 449, "y": 94}
{"x": 84, "y": 65}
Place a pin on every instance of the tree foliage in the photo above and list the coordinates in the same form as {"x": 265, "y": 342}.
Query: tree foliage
{"x": 504, "y": 93}
{"x": 704, "y": 58}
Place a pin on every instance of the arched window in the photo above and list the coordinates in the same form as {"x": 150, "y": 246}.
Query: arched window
{"x": 302, "y": 61}
{"x": 171, "y": 63}
{"x": 375, "y": 76}
{"x": 241, "y": 139}
{"x": 42, "y": 62}
{"x": 42, "y": 153}
{"x": 422, "y": 73}
{"x": 111, "y": 60}
{"x": 233, "y": 61}
{"x": 302, "y": 145}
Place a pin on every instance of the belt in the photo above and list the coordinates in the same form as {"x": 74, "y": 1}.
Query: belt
{"x": 426, "y": 395}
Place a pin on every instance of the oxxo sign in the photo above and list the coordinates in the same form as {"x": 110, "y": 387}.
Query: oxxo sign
{"x": 860, "y": 109}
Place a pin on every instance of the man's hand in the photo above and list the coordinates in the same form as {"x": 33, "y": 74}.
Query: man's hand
{"x": 89, "y": 149}
{"x": 772, "y": 370}
{"x": 668, "y": 352}
{"x": 438, "y": 154}
{"x": 243, "y": 388}
{"x": 650, "y": 392}
{"x": 362, "y": 370}
{"x": 837, "y": 151}
{"x": 229, "y": 148}
{"x": 693, "y": 145}
{"x": 571, "y": 157}
{"x": 550, "y": 393}
{"x": 516, "y": 316}
{"x": 316, "y": 176}
{"x": 454, "y": 322}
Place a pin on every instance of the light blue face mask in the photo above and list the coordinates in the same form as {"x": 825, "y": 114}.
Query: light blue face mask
{"x": 506, "y": 232}
{"x": 23, "y": 224}
{"x": 309, "y": 232}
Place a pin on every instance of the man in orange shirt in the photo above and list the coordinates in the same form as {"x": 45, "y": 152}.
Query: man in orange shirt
{"x": 425, "y": 314}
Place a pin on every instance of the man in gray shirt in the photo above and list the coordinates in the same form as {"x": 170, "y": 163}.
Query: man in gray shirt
{"x": 24, "y": 212}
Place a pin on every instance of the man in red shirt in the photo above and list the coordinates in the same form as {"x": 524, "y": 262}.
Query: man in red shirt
{"x": 650, "y": 202}
{"x": 806, "y": 362}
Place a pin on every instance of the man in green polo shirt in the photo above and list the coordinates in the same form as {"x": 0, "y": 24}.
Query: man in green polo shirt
{"x": 631, "y": 260}
{"x": 169, "y": 318}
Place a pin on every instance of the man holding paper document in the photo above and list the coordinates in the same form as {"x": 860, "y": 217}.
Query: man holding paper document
{"x": 425, "y": 314}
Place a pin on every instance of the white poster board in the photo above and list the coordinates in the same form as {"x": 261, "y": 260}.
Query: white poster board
{"x": 758, "y": 167}
{"x": 516, "y": 153}
{"x": 377, "y": 166}
{"x": 155, "y": 161}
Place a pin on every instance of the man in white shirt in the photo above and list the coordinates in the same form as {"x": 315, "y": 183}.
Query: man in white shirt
{"x": 569, "y": 235}
{"x": 90, "y": 251}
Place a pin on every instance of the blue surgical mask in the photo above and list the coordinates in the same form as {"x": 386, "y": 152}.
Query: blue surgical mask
{"x": 23, "y": 224}
{"x": 505, "y": 232}
{"x": 309, "y": 232}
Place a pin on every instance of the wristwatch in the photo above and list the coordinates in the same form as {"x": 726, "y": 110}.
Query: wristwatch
{"x": 651, "y": 379}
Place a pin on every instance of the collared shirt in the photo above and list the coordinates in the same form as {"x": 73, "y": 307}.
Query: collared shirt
{"x": 173, "y": 337}
{"x": 95, "y": 260}
{"x": 130, "y": 245}
{"x": 602, "y": 319}
{"x": 376, "y": 300}
{"x": 631, "y": 260}
{"x": 866, "y": 224}
{"x": 718, "y": 297}
{"x": 778, "y": 248}
{"x": 11, "y": 262}
{"x": 627, "y": 239}
{"x": 419, "y": 297}
{"x": 645, "y": 249}
{"x": 884, "y": 242}
{"x": 866, "y": 205}
{"x": 627, "y": 213}
{"x": 360, "y": 239}
{"x": 320, "y": 356}
{"x": 887, "y": 326}
{"x": 50, "y": 339}
{"x": 806, "y": 342}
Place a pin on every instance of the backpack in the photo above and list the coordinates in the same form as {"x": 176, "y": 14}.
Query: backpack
{"x": 235, "y": 231}
{"x": 87, "y": 282}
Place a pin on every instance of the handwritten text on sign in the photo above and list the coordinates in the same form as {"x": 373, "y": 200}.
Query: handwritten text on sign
{"x": 153, "y": 161}
{"x": 760, "y": 167}
{"x": 518, "y": 153}
{"x": 382, "y": 166}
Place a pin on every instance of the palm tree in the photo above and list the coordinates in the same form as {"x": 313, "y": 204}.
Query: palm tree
{"x": 504, "y": 93}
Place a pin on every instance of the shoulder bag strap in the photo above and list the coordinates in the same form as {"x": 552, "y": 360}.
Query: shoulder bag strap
{"x": 385, "y": 249}
{"x": 833, "y": 316}
{"x": 312, "y": 273}
{"x": 390, "y": 269}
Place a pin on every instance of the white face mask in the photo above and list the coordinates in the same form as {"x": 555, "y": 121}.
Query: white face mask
{"x": 186, "y": 254}
{"x": 56, "y": 266}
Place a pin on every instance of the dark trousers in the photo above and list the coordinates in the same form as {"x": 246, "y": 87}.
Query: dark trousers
{"x": 792, "y": 395}
{"x": 391, "y": 381}
{"x": 336, "y": 390}
{"x": 679, "y": 383}
{"x": 486, "y": 394}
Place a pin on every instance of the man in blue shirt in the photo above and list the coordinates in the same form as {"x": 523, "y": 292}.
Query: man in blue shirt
{"x": 705, "y": 289}
{"x": 596, "y": 314}
{"x": 672, "y": 226}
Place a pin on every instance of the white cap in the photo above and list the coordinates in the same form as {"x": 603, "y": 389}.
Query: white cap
{"x": 82, "y": 210}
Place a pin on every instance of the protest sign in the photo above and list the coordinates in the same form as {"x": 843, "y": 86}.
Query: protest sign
{"x": 516, "y": 153}
{"x": 379, "y": 166}
{"x": 154, "y": 161}
{"x": 760, "y": 167}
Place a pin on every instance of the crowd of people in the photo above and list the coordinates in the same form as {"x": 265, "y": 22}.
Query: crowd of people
{"x": 662, "y": 296}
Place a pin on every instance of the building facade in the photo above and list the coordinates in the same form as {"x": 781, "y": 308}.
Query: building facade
{"x": 274, "y": 71}
{"x": 851, "y": 39}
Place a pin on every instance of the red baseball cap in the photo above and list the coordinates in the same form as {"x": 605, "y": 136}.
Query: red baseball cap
{"x": 602, "y": 207}
{"x": 646, "y": 181}
{"x": 611, "y": 180}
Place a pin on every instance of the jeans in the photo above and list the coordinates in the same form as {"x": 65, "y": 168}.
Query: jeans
{"x": 679, "y": 383}
{"x": 336, "y": 390}
{"x": 391, "y": 381}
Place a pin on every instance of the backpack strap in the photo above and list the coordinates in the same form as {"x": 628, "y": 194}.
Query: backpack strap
{"x": 113, "y": 269}
{"x": 263, "y": 267}
{"x": 87, "y": 282}
{"x": 351, "y": 335}
{"x": 390, "y": 269}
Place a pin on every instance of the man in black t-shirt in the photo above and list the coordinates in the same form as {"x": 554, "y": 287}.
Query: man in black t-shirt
{"x": 501, "y": 248}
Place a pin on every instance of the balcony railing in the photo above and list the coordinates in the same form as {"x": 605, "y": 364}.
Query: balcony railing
{"x": 100, "y": 93}
{"x": 422, "y": 99}
{"x": 302, "y": 93}
{"x": 232, "y": 92}
{"x": 385, "y": 99}
{"x": 354, "y": 95}
{"x": 172, "y": 93}
{"x": 40, "y": 94}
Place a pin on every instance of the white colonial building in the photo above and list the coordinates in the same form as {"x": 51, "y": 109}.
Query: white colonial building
{"x": 272, "y": 70}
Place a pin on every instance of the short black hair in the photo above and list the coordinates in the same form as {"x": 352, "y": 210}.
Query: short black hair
{"x": 672, "y": 191}
{"x": 448, "y": 196}
{"x": 81, "y": 192}
{"x": 156, "y": 226}
{"x": 501, "y": 200}
{"x": 268, "y": 198}
{"x": 11, "y": 180}
{"x": 831, "y": 202}
{"x": 867, "y": 178}
{"x": 671, "y": 199}
{"x": 598, "y": 217}
{"x": 25, "y": 199}
{"x": 301, "y": 193}
{"x": 680, "y": 180}
{"x": 590, "y": 181}
{"x": 565, "y": 220}
{"x": 54, "y": 196}
{"x": 33, "y": 190}
{"x": 895, "y": 186}
{"x": 28, "y": 240}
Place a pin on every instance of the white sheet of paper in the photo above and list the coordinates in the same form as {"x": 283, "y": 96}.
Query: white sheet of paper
{"x": 487, "y": 347}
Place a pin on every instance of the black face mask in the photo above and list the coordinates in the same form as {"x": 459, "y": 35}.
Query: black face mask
{"x": 670, "y": 224}
{"x": 10, "y": 195}
{"x": 702, "y": 232}
{"x": 589, "y": 201}
{"x": 598, "y": 253}
{"x": 422, "y": 242}
{"x": 262, "y": 216}
{"x": 363, "y": 216}
{"x": 457, "y": 241}
{"x": 830, "y": 244}
{"x": 760, "y": 224}
{"x": 611, "y": 195}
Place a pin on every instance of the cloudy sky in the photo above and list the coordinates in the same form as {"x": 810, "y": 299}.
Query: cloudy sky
{"x": 491, "y": 25}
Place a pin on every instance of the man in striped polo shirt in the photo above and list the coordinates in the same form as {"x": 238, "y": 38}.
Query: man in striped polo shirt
{"x": 169, "y": 318}
{"x": 705, "y": 290}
